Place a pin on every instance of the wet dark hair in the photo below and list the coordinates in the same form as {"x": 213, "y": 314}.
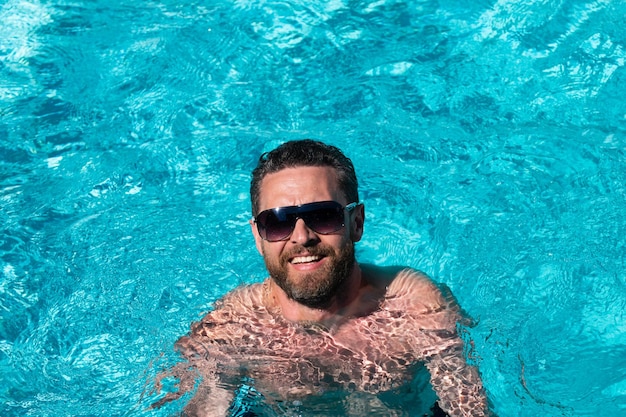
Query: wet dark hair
{"x": 305, "y": 152}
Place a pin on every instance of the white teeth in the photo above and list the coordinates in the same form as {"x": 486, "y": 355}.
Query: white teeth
{"x": 304, "y": 259}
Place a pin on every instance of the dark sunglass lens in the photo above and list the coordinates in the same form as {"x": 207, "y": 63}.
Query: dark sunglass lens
{"x": 324, "y": 220}
{"x": 273, "y": 228}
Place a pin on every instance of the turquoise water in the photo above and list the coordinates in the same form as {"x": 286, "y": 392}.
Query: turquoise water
{"x": 489, "y": 138}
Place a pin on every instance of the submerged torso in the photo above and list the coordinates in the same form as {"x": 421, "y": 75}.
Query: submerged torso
{"x": 376, "y": 360}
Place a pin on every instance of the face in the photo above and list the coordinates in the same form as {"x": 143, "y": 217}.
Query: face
{"x": 309, "y": 267}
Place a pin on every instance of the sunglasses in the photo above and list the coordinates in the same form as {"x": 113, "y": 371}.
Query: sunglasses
{"x": 323, "y": 217}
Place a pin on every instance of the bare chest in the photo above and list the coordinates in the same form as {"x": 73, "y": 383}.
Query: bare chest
{"x": 376, "y": 353}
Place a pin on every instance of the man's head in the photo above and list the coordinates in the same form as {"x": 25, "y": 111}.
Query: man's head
{"x": 301, "y": 153}
{"x": 307, "y": 181}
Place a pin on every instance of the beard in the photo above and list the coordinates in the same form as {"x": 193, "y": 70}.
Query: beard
{"x": 319, "y": 288}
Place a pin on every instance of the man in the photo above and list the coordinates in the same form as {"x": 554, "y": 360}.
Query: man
{"x": 325, "y": 335}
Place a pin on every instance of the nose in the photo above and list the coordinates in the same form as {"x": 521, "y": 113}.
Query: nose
{"x": 303, "y": 235}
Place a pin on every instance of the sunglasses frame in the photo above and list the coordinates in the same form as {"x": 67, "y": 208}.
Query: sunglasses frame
{"x": 300, "y": 210}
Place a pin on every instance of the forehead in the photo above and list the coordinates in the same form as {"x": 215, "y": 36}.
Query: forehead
{"x": 299, "y": 185}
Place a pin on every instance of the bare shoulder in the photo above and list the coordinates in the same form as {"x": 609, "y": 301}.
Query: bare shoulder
{"x": 411, "y": 290}
{"x": 398, "y": 280}
{"x": 239, "y": 305}
{"x": 416, "y": 286}
{"x": 246, "y": 297}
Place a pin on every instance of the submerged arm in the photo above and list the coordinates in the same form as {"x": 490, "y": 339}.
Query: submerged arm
{"x": 435, "y": 316}
{"x": 212, "y": 398}
{"x": 457, "y": 384}
{"x": 200, "y": 372}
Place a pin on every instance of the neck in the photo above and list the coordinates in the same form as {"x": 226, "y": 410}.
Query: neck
{"x": 340, "y": 305}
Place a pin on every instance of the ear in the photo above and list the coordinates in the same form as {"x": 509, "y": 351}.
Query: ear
{"x": 257, "y": 239}
{"x": 356, "y": 223}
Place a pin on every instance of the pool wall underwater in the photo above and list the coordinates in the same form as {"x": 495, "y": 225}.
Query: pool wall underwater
{"x": 489, "y": 140}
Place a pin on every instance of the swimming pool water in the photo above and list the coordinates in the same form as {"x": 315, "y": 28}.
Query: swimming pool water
{"x": 489, "y": 138}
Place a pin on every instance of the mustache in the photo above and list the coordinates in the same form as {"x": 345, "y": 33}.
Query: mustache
{"x": 317, "y": 250}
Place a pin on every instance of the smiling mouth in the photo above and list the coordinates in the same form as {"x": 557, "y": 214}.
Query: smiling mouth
{"x": 305, "y": 259}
